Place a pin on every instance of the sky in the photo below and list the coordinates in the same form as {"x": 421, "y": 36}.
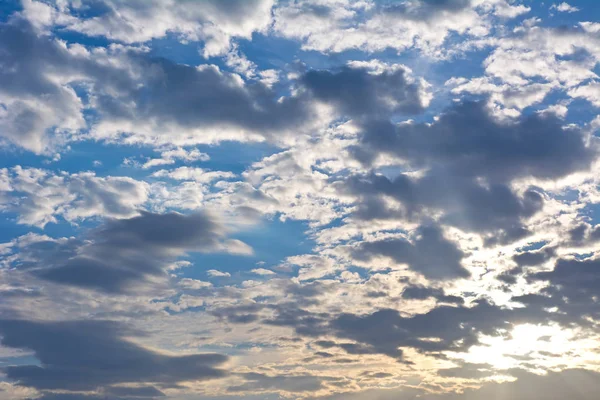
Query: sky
{"x": 299, "y": 199}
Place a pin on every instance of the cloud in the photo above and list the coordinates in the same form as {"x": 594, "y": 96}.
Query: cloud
{"x": 576, "y": 280}
{"x": 122, "y": 255}
{"x": 288, "y": 383}
{"x": 140, "y": 98}
{"x": 467, "y": 141}
{"x": 463, "y": 165}
{"x": 386, "y": 331}
{"x": 578, "y": 384}
{"x": 193, "y": 174}
{"x": 376, "y": 26}
{"x": 418, "y": 292}
{"x": 40, "y": 196}
{"x": 178, "y": 104}
{"x": 136, "y": 97}
{"x": 34, "y": 88}
{"x": 359, "y": 91}
{"x": 214, "y": 22}
{"x": 564, "y": 7}
{"x": 463, "y": 202}
{"x": 445, "y": 328}
{"x": 429, "y": 253}
{"x": 87, "y": 355}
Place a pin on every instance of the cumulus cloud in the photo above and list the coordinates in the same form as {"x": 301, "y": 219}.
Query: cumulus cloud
{"x": 214, "y": 22}
{"x": 470, "y": 142}
{"x": 376, "y": 26}
{"x": 40, "y": 196}
{"x": 36, "y": 95}
{"x": 564, "y": 7}
{"x": 169, "y": 157}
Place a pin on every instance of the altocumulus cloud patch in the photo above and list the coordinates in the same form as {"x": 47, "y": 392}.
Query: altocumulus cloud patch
{"x": 349, "y": 199}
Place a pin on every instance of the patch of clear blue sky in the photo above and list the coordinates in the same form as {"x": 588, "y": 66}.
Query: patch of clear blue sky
{"x": 272, "y": 241}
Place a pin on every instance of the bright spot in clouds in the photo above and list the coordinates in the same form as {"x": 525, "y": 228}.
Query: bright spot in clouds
{"x": 299, "y": 199}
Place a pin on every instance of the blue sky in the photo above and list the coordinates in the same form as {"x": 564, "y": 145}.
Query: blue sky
{"x": 299, "y": 199}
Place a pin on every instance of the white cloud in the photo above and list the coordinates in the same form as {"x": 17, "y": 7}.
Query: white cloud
{"x": 188, "y": 283}
{"x": 40, "y": 196}
{"x": 193, "y": 174}
{"x": 589, "y": 92}
{"x": 213, "y": 21}
{"x": 262, "y": 271}
{"x": 169, "y": 157}
{"x": 369, "y": 26}
{"x": 217, "y": 274}
{"x": 564, "y": 7}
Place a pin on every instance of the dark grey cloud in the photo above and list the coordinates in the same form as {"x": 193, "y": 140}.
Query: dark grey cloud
{"x": 572, "y": 288}
{"x": 180, "y": 95}
{"x": 419, "y": 292}
{"x": 465, "y": 203}
{"x": 466, "y": 141}
{"x": 87, "y": 355}
{"x": 190, "y": 97}
{"x": 357, "y": 92}
{"x": 135, "y": 93}
{"x": 584, "y": 234}
{"x": 386, "y": 331}
{"x": 534, "y": 257}
{"x": 577, "y": 280}
{"x": 123, "y": 254}
{"x": 430, "y": 253}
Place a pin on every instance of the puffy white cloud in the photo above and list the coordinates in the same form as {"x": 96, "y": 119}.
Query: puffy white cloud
{"x": 372, "y": 26}
{"x": 193, "y": 174}
{"x": 589, "y": 92}
{"x": 217, "y": 274}
{"x": 169, "y": 157}
{"x": 262, "y": 271}
{"x": 214, "y": 22}
{"x": 564, "y": 7}
{"x": 40, "y": 196}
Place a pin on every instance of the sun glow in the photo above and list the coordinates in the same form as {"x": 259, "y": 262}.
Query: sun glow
{"x": 545, "y": 346}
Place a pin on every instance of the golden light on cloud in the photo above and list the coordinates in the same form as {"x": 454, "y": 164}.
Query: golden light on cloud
{"x": 534, "y": 347}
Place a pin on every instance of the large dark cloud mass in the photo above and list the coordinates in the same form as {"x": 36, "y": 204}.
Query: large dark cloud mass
{"x": 465, "y": 203}
{"x": 467, "y": 142}
{"x": 469, "y": 160}
{"x": 123, "y": 254}
{"x": 85, "y": 355}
